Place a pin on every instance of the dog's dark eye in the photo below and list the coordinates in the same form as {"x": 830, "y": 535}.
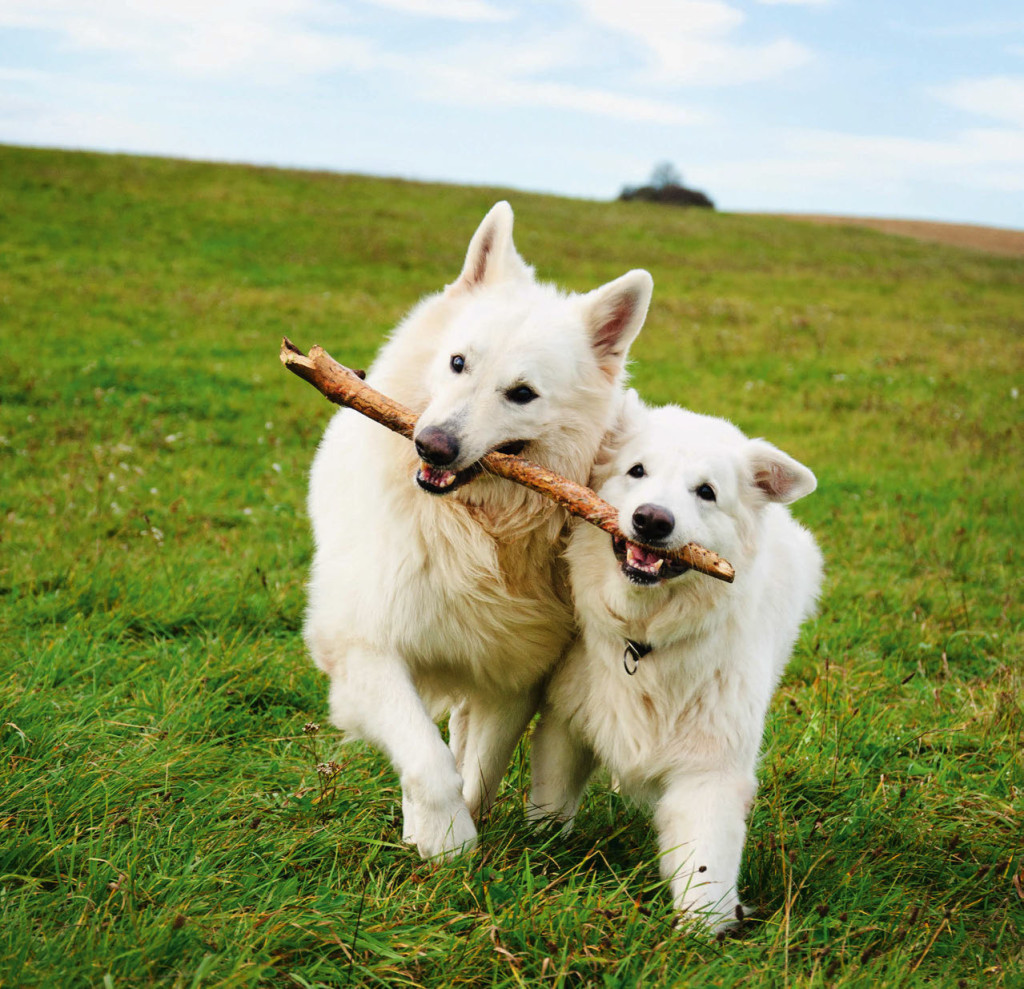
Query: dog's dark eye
{"x": 458, "y": 363}
{"x": 706, "y": 493}
{"x": 637, "y": 470}
{"x": 521, "y": 394}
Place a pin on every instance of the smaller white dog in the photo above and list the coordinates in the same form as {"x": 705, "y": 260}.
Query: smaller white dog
{"x": 669, "y": 681}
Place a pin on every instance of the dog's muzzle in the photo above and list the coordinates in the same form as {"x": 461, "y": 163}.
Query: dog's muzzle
{"x": 438, "y": 450}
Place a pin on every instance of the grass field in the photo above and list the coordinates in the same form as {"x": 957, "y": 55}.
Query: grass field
{"x": 160, "y": 820}
{"x": 992, "y": 240}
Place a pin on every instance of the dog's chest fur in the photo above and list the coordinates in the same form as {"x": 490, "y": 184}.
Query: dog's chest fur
{"x": 695, "y": 702}
{"x": 490, "y": 613}
{"x": 470, "y": 598}
{"x": 686, "y": 708}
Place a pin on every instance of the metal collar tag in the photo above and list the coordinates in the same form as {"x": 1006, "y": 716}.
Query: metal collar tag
{"x": 634, "y": 652}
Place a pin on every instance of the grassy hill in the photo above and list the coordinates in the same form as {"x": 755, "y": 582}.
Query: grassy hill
{"x": 992, "y": 240}
{"x": 158, "y": 814}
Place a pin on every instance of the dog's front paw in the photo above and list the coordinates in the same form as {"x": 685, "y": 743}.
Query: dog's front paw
{"x": 721, "y": 919}
{"x": 441, "y": 834}
{"x": 435, "y": 817}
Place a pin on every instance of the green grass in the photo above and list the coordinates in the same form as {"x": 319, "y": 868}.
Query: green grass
{"x": 157, "y": 814}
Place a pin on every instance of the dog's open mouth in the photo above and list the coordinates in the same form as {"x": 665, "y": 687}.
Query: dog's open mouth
{"x": 643, "y": 565}
{"x": 441, "y": 480}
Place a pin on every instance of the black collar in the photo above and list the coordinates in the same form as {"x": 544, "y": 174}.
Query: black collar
{"x": 634, "y": 652}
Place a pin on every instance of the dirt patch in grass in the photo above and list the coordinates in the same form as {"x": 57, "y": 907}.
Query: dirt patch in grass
{"x": 994, "y": 240}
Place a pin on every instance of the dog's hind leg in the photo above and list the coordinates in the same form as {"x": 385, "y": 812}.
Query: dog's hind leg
{"x": 560, "y": 764}
{"x": 486, "y": 733}
{"x": 372, "y": 697}
{"x": 458, "y": 727}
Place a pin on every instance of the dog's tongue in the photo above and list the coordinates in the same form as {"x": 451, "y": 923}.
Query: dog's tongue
{"x": 641, "y": 558}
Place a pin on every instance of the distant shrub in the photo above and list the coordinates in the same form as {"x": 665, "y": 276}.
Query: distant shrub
{"x": 666, "y": 186}
{"x": 676, "y": 195}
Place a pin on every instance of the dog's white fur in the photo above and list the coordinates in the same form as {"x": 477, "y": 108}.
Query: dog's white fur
{"x": 683, "y": 733}
{"x": 422, "y": 602}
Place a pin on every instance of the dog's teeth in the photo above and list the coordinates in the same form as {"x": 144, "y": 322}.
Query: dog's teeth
{"x": 643, "y": 559}
{"x": 438, "y": 478}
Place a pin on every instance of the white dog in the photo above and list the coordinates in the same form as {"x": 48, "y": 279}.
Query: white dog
{"x": 669, "y": 681}
{"x": 429, "y": 592}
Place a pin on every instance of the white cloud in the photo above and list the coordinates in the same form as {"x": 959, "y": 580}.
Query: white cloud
{"x": 454, "y": 10}
{"x": 985, "y": 28}
{"x": 22, "y": 75}
{"x": 268, "y": 41}
{"x": 893, "y": 156}
{"x": 254, "y": 38}
{"x": 996, "y": 97}
{"x": 529, "y": 70}
{"x": 691, "y": 42}
{"x": 878, "y": 167}
{"x": 812, "y": 168}
{"x": 524, "y": 53}
{"x": 471, "y": 88}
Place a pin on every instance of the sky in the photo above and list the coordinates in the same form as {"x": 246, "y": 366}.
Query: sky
{"x": 895, "y": 108}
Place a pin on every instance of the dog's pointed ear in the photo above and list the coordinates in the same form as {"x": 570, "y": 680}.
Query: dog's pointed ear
{"x": 492, "y": 255}
{"x": 624, "y": 421}
{"x": 776, "y": 475}
{"x": 614, "y": 314}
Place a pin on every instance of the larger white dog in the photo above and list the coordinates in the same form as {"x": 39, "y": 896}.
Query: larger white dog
{"x": 683, "y": 731}
{"x": 429, "y": 592}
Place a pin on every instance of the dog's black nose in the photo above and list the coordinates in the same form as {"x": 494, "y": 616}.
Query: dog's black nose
{"x": 436, "y": 447}
{"x": 652, "y": 522}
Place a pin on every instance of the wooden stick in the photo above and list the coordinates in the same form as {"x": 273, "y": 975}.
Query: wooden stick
{"x": 345, "y": 387}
